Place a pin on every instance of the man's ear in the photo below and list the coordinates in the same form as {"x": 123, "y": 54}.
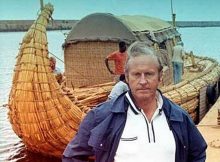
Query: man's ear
{"x": 126, "y": 77}
{"x": 161, "y": 76}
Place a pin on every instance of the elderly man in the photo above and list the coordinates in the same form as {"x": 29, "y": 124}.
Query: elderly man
{"x": 141, "y": 124}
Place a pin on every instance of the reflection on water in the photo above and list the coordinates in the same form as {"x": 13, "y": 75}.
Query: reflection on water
{"x": 10, "y": 144}
{"x": 11, "y": 147}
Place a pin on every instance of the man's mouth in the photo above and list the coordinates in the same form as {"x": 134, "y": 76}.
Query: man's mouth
{"x": 144, "y": 89}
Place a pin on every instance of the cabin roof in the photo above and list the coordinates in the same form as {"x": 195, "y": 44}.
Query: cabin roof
{"x": 139, "y": 23}
{"x": 105, "y": 27}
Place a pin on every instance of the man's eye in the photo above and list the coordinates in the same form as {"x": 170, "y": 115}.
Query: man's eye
{"x": 149, "y": 74}
{"x": 137, "y": 74}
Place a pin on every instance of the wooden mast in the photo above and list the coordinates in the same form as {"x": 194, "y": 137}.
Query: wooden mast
{"x": 173, "y": 15}
{"x": 41, "y": 4}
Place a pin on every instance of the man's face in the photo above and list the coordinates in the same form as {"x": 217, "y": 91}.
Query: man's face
{"x": 122, "y": 49}
{"x": 143, "y": 77}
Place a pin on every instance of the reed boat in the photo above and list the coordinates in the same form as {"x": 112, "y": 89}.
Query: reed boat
{"x": 46, "y": 116}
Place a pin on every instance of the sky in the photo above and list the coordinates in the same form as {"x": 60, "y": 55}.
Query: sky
{"x": 191, "y": 10}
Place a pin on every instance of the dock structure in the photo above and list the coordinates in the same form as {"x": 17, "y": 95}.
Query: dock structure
{"x": 211, "y": 132}
{"x": 23, "y": 25}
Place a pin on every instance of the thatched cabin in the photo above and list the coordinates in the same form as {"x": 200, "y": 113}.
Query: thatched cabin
{"x": 97, "y": 35}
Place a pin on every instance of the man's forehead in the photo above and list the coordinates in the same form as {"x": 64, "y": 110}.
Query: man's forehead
{"x": 143, "y": 59}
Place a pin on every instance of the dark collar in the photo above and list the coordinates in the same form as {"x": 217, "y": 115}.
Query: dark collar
{"x": 172, "y": 111}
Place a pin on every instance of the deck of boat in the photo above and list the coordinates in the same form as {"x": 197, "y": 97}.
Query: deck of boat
{"x": 201, "y": 65}
{"x": 211, "y": 132}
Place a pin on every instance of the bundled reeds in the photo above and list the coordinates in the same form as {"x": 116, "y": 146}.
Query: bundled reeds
{"x": 41, "y": 115}
{"x": 88, "y": 97}
{"x": 187, "y": 92}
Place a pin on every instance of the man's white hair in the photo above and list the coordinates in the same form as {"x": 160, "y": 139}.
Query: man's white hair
{"x": 139, "y": 48}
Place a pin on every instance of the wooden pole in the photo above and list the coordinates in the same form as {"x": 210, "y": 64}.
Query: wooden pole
{"x": 173, "y": 14}
{"x": 41, "y": 4}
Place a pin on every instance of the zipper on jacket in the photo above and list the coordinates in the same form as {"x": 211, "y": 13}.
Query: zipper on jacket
{"x": 152, "y": 126}
{"x": 148, "y": 132}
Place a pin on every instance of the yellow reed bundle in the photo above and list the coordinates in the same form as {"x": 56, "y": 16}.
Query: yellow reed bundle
{"x": 182, "y": 92}
{"x": 87, "y": 97}
{"x": 191, "y": 105}
{"x": 41, "y": 115}
{"x": 193, "y": 115}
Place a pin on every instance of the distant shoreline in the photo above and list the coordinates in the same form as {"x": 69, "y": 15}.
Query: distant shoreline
{"x": 24, "y": 25}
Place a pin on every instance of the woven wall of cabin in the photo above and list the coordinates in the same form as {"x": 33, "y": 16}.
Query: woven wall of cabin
{"x": 169, "y": 45}
{"x": 167, "y": 66}
{"x": 85, "y": 63}
{"x": 167, "y": 76}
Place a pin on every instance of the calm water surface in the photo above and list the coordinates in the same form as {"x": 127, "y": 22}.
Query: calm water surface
{"x": 202, "y": 41}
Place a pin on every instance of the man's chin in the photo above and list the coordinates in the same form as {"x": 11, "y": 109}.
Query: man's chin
{"x": 142, "y": 96}
{"x": 143, "y": 91}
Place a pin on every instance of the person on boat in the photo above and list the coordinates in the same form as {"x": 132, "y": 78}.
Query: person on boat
{"x": 177, "y": 61}
{"x": 141, "y": 124}
{"x": 119, "y": 57}
{"x": 57, "y": 72}
{"x": 119, "y": 88}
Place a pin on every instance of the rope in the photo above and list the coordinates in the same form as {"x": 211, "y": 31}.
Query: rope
{"x": 56, "y": 57}
{"x": 53, "y": 23}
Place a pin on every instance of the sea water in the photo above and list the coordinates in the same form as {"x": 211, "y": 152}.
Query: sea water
{"x": 202, "y": 41}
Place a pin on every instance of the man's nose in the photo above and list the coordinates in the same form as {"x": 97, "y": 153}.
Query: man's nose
{"x": 142, "y": 79}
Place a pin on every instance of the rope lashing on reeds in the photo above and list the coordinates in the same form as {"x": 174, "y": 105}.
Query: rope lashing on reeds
{"x": 40, "y": 113}
{"x": 186, "y": 93}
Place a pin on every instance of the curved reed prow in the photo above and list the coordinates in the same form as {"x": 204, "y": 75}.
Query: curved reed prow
{"x": 41, "y": 115}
